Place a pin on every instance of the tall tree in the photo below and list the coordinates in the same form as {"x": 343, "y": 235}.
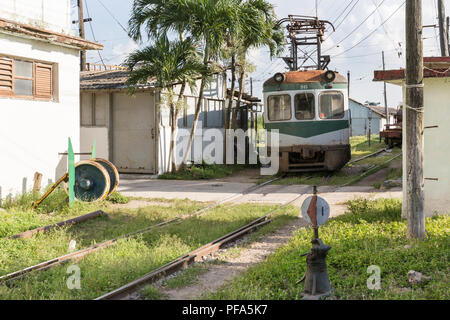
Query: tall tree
{"x": 206, "y": 21}
{"x": 258, "y": 28}
{"x": 211, "y": 21}
{"x": 170, "y": 63}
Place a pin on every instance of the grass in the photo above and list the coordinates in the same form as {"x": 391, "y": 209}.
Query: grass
{"x": 203, "y": 171}
{"x": 115, "y": 266}
{"x": 371, "y": 233}
{"x": 360, "y": 145}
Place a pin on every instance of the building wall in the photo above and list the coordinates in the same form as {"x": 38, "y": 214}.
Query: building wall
{"x": 211, "y": 117}
{"x": 436, "y": 151}
{"x": 32, "y": 133}
{"x": 48, "y": 14}
{"x": 360, "y": 120}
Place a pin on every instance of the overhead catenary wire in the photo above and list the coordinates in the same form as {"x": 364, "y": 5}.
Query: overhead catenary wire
{"x": 357, "y": 27}
{"x": 92, "y": 31}
{"x": 372, "y": 32}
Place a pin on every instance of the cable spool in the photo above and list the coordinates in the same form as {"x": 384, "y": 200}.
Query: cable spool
{"x": 112, "y": 172}
{"x": 92, "y": 181}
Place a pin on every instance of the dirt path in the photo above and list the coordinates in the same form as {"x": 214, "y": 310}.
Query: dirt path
{"x": 218, "y": 275}
{"x": 379, "y": 176}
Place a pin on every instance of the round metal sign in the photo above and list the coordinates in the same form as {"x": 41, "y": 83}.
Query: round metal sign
{"x": 322, "y": 212}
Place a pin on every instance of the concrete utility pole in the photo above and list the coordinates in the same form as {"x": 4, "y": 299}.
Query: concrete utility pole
{"x": 385, "y": 97}
{"x": 442, "y": 29}
{"x": 414, "y": 121}
{"x": 81, "y": 28}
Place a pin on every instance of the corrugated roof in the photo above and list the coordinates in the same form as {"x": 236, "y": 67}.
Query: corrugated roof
{"x": 377, "y": 109}
{"x": 110, "y": 79}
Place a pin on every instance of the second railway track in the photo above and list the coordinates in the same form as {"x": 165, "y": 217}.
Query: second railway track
{"x": 105, "y": 244}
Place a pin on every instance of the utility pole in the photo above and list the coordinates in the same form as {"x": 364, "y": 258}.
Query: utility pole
{"x": 81, "y": 28}
{"x": 442, "y": 29}
{"x": 448, "y": 33}
{"x": 414, "y": 121}
{"x": 251, "y": 86}
{"x": 386, "y": 109}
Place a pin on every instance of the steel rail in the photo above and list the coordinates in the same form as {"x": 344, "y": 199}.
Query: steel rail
{"x": 88, "y": 250}
{"x": 368, "y": 156}
{"x": 193, "y": 256}
{"x": 370, "y": 171}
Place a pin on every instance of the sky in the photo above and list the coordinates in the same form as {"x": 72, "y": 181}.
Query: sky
{"x": 369, "y": 27}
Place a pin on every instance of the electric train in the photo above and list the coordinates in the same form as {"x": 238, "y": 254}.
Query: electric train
{"x": 310, "y": 111}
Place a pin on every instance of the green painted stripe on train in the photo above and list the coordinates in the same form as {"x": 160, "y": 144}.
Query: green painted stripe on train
{"x": 307, "y": 129}
{"x": 303, "y": 86}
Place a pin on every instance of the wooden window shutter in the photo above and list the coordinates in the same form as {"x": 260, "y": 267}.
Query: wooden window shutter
{"x": 43, "y": 83}
{"x": 6, "y": 76}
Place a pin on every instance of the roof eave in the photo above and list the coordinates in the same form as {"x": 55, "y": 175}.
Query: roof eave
{"x": 31, "y": 32}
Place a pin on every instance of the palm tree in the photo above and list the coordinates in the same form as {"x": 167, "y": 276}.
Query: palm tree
{"x": 170, "y": 63}
{"x": 210, "y": 22}
{"x": 206, "y": 21}
{"x": 259, "y": 28}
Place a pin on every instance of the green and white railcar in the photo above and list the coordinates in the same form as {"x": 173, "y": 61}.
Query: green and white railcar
{"x": 310, "y": 111}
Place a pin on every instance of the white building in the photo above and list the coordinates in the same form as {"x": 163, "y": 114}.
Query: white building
{"x": 39, "y": 90}
{"x": 436, "y": 130}
{"x": 133, "y": 131}
{"x": 365, "y": 117}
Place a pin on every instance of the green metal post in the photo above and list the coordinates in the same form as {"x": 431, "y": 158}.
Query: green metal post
{"x": 94, "y": 147}
{"x": 71, "y": 166}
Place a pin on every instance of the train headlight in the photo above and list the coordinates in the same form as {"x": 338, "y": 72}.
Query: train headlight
{"x": 278, "y": 77}
{"x": 329, "y": 76}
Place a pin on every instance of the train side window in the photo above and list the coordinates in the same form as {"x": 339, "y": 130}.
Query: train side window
{"x": 279, "y": 107}
{"x": 304, "y": 106}
{"x": 331, "y": 105}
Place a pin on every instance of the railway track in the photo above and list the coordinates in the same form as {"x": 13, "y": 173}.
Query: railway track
{"x": 105, "y": 244}
{"x": 193, "y": 256}
{"x": 198, "y": 254}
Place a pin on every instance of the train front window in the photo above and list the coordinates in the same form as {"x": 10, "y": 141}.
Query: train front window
{"x": 304, "y": 106}
{"x": 331, "y": 105}
{"x": 279, "y": 107}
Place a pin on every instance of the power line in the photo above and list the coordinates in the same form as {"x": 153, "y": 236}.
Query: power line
{"x": 92, "y": 31}
{"x": 371, "y": 33}
{"x": 112, "y": 15}
{"x": 351, "y": 32}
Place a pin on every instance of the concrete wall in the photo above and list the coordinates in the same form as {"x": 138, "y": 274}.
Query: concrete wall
{"x": 436, "y": 150}
{"x": 360, "y": 120}
{"x": 98, "y": 134}
{"x": 48, "y": 14}
{"x": 211, "y": 117}
{"x": 32, "y": 133}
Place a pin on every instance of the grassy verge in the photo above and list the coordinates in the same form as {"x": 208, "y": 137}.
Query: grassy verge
{"x": 117, "y": 265}
{"x": 371, "y": 233}
{"x": 203, "y": 171}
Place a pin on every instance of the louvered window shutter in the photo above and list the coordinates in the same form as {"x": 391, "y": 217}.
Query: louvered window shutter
{"x": 6, "y": 76}
{"x": 43, "y": 82}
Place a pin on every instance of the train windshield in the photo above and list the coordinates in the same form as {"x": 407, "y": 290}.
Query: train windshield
{"x": 331, "y": 105}
{"x": 279, "y": 107}
{"x": 304, "y": 106}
